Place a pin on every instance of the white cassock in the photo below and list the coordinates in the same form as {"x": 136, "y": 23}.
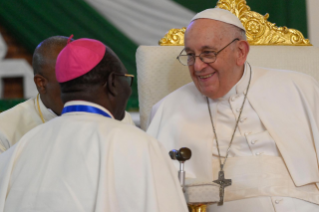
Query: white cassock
{"x": 19, "y": 120}
{"x": 273, "y": 160}
{"x": 85, "y": 162}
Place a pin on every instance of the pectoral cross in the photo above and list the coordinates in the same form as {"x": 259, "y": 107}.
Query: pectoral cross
{"x": 223, "y": 183}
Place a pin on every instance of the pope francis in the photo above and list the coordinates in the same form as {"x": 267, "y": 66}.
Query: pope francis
{"x": 87, "y": 160}
{"x": 252, "y": 130}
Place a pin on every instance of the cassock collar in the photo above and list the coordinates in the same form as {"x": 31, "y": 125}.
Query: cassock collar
{"x": 239, "y": 88}
{"x": 81, "y": 102}
{"x": 227, "y": 95}
{"x": 242, "y": 84}
{"x": 47, "y": 113}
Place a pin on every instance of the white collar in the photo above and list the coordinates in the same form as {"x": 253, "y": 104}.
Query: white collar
{"x": 242, "y": 84}
{"x": 82, "y": 102}
{"x": 238, "y": 88}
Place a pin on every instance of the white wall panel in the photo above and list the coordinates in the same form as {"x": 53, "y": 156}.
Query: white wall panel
{"x": 313, "y": 21}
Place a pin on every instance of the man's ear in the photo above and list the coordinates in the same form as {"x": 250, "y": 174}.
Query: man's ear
{"x": 243, "y": 49}
{"x": 41, "y": 83}
{"x": 111, "y": 84}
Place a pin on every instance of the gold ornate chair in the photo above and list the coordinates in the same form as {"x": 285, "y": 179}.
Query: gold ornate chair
{"x": 160, "y": 73}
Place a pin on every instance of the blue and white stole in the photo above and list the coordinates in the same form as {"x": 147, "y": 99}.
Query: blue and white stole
{"x": 84, "y": 108}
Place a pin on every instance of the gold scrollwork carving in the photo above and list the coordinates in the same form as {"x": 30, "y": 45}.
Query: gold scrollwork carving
{"x": 259, "y": 31}
{"x": 174, "y": 37}
{"x": 197, "y": 208}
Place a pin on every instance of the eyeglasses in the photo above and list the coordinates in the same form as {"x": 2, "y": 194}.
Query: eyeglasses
{"x": 206, "y": 56}
{"x": 128, "y": 77}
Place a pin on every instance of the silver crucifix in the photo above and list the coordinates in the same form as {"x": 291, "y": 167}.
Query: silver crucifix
{"x": 223, "y": 183}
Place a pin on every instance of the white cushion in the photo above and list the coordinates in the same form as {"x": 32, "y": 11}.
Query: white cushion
{"x": 159, "y": 72}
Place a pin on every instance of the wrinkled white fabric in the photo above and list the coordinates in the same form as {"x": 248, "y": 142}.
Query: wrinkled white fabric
{"x": 285, "y": 103}
{"x": 19, "y": 120}
{"x": 251, "y": 137}
{"x": 87, "y": 162}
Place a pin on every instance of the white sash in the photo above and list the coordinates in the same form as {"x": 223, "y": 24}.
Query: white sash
{"x": 262, "y": 176}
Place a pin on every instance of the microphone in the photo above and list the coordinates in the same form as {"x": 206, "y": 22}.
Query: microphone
{"x": 182, "y": 155}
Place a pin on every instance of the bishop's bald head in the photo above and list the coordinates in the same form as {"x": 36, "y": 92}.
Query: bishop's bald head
{"x": 43, "y": 62}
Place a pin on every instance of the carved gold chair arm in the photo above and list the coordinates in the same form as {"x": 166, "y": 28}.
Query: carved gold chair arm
{"x": 197, "y": 208}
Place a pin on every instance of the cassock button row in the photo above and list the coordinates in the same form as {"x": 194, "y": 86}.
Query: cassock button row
{"x": 233, "y": 98}
{"x": 259, "y": 153}
{"x": 253, "y": 142}
{"x": 243, "y": 119}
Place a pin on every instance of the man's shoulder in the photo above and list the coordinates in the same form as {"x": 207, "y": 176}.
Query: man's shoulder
{"x": 128, "y": 133}
{"x": 188, "y": 88}
{"x": 15, "y": 122}
{"x": 20, "y": 114}
{"x": 281, "y": 74}
{"x": 22, "y": 108}
{"x": 182, "y": 94}
{"x": 279, "y": 77}
{"x": 106, "y": 128}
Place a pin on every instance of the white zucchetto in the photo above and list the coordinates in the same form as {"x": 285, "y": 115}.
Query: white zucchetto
{"x": 220, "y": 15}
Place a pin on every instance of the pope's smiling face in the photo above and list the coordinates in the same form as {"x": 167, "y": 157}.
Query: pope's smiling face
{"x": 215, "y": 79}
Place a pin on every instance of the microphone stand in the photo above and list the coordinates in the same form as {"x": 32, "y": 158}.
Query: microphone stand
{"x": 182, "y": 155}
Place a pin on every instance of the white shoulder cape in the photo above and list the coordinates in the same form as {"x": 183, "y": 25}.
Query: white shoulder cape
{"x": 287, "y": 104}
{"x": 87, "y": 162}
{"x": 16, "y": 122}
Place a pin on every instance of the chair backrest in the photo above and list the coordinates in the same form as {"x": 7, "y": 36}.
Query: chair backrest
{"x": 159, "y": 72}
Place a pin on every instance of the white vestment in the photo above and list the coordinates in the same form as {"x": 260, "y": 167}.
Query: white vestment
{"x": 285, "y": 102}
{"x": 84, "y": 161}
{"x": 19, "y": 120}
